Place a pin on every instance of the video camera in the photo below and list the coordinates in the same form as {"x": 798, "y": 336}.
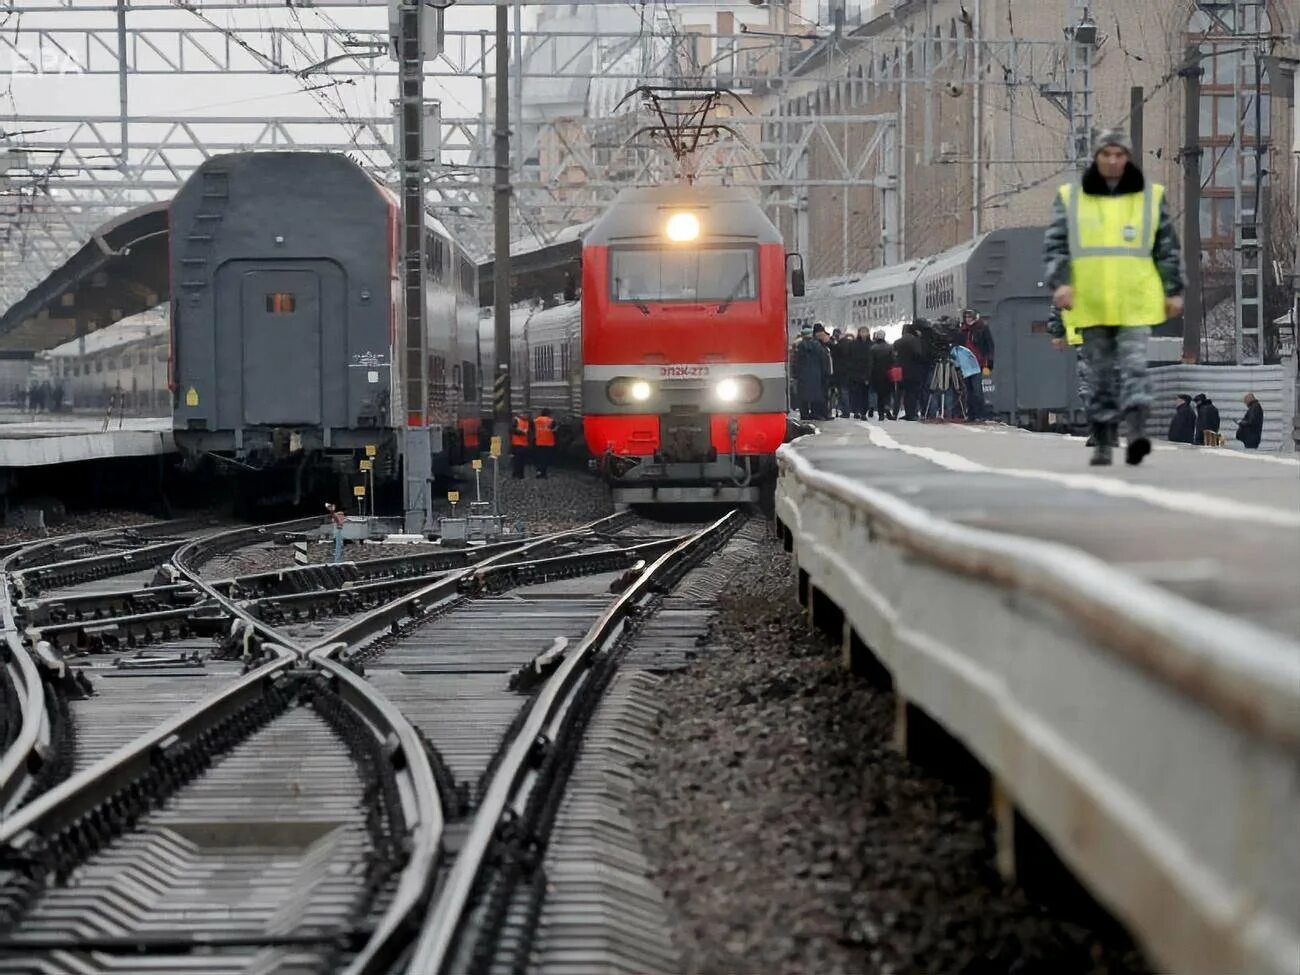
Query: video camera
{"x": 939, "y": 337}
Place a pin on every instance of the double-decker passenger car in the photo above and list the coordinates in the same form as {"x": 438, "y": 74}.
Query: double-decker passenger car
{"x": 285, "y": 312}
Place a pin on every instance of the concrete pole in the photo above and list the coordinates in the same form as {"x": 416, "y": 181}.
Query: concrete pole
{"x": 121, "y": 80}
{"x": 1192, "y": 311}
{"x": 501, "y": 247}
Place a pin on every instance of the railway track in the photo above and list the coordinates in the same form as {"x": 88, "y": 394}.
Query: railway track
{"x": 373, "y": 723}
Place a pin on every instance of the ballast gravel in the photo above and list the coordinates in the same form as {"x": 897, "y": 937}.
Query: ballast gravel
{"x": 563, "y": 499}
{"x": 75, "y": 523}
{"x": 789, "y": 836}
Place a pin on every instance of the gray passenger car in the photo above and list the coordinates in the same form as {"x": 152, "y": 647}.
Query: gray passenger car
{"x": 285, "y": 310}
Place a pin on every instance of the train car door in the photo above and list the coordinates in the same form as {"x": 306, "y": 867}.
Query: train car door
{"x": 1036, "y": 375}
{"x": 281, "y": 324}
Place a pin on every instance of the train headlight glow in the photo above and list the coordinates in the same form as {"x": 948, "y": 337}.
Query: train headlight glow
{"x": 738, "y": 389}
{"x": 683, "y": 227}
{"x": 625, "y": 390}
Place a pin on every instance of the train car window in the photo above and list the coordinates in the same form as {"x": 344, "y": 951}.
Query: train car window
{"x": 281, "y": 303}
{"x": 470, "y": 376}
{"x": 703, "y": 274}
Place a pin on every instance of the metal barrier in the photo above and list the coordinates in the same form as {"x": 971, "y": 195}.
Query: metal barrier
{"x": 1154, "y": 743}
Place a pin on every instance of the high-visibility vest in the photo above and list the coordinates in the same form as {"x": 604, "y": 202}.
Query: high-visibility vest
{"x": 1115, "y": 278}
{"x": 544, "y": 428}
{"x": 519, "y": 435}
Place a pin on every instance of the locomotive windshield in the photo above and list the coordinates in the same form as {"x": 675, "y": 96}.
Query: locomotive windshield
{"x": 675, "y": 274}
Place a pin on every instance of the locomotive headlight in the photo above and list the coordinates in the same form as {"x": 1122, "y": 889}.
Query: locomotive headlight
{"x": 683, "y": 227}
{"x": 738, "y": 389}
{"x": 626, "y": 390}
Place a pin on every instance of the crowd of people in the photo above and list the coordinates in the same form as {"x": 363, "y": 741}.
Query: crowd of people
{"x": 932, "y": 369}
{"x": 39, "y": 397}
{"x": 1196, "y": 417}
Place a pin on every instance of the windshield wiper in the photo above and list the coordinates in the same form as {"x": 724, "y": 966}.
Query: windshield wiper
{"x": 732, "y": 297}
{"x": 642, "y": 307}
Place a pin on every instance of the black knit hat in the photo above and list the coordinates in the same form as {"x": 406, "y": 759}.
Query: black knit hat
{"x": 1184, "y": 397}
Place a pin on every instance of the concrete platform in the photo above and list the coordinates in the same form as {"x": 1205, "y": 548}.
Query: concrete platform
{"x": 1218, "y": 527}
{"x": 55, "y": 439}
{"x": 1118, "y": 648}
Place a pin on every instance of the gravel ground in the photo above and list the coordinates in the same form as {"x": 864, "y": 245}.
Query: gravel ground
{"x": 265, "y": 558}
{"x": 561, "y": 500}
{"x": 789, "y": 837}
{"x": 87, "y": 521}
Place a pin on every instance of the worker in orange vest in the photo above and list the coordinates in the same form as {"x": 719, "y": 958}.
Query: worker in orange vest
{"x": 519, "y": 445}
{"x": 544, "y": 435}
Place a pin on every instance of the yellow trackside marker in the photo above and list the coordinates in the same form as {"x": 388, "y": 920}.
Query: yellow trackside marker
{"x": 453, "y": 496}
{"x": 476, "y": 464}
{"x": 495, "y": 447}
{"x": 367, "y": 465}
{"x": 359, "y": 491}
{"x": 191, "y": 397}
{"x": 371, "y": 450}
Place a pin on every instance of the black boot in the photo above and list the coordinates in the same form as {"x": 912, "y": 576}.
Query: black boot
{"x": 1101, "y": 448}
{"x": 1138, "y": 445}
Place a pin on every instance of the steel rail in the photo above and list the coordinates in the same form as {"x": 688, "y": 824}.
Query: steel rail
{"x": 445, "y": 919}
{"x": 360, "y": 628}
{"x": 12, "y": 554}
{"x": 24, "y": 755}
{"x": 71, "y": 799}
{"x": 32, "y": 581}
{"x": 81, "y": 801}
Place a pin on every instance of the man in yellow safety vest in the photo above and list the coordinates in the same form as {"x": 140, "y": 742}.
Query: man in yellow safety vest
{"x": 1114, "y": 266}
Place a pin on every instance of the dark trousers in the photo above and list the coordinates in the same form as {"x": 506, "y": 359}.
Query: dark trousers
{"x": 518, "y": 458}
{"x": 812, "y": 406}
{"x": 913, "y": 387}
{"x": 975, "y": 397}
{"x": 858, "y": 397}
{"x": 542, "y": 458}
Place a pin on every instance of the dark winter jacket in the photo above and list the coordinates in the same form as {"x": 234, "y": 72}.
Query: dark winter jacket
{"x": 1166, "y": 252}
{"x": 978, "y": 337}
{"x": 1182, "y": 428}
{"x": 856, "y": 358}
{"x": 1207, "y": 418}
{"x": 812, "y": 368}
{"x": 840, "y": 355}
{"x": 879, "y": 362}
{"x": 910, "y": 353}
{"x": 1250, "y": 428}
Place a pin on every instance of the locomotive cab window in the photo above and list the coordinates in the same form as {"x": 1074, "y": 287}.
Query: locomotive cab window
{"x": 693, "y": 275}
{"x": 281, "y": 303}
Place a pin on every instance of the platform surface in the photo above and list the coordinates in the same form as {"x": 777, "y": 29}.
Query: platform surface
{"x": 47, "y": 439}
{"x": 1218, "y": 527}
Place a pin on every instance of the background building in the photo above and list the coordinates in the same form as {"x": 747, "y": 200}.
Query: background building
{"x": 986, "y": 113}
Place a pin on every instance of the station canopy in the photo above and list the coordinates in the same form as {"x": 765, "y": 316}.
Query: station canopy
{"x": 121, "y": 271}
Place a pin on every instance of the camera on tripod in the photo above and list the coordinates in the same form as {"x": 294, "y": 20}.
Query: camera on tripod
{"x": 939, "y": 337}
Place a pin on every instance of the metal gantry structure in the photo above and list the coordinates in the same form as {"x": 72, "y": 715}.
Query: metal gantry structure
{"x": 68, "y": 173}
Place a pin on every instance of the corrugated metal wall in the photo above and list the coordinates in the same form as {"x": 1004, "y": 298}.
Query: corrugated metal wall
{"x": 1273, "y": 386}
